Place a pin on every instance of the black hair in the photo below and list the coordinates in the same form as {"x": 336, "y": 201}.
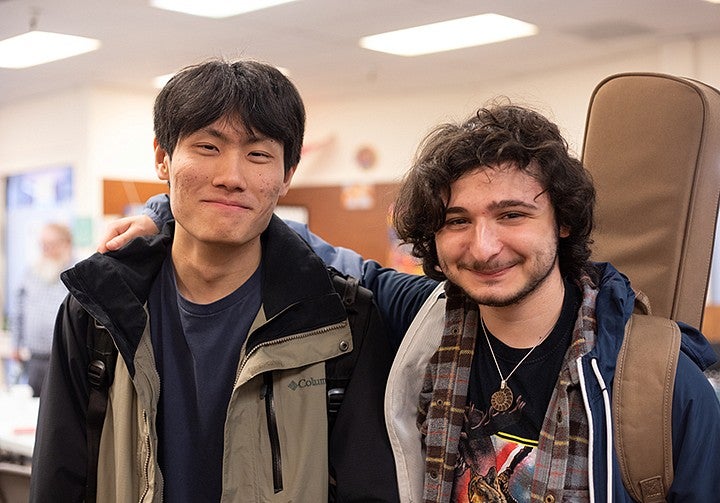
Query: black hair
{"x": 256, "y": 94}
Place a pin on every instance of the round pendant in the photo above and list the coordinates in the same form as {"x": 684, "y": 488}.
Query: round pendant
{"x": 502, "y": 399}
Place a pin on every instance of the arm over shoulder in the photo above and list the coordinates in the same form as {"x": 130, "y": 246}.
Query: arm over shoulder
{"x": 399, "y": 296}
{"x": 158, "y": 209}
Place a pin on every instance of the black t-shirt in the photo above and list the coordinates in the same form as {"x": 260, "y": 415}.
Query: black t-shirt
{"x": 197, "y": 349}
{"x": 497, "y": 449}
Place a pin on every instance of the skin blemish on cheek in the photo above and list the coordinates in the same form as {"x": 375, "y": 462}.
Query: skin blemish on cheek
{"x": 192, "y": 175}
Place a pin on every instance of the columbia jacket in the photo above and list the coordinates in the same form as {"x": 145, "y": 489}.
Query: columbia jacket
{"x": 302, "y": 323}
{"x": 414, "y": 309}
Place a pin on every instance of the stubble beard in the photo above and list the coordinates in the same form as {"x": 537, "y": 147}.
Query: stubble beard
{"x": 534, "y": 282}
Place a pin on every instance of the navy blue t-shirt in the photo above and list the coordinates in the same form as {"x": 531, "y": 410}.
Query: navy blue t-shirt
{"x": 197, "y": 349}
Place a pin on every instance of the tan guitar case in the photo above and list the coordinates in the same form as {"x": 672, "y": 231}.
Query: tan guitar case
{"x": 652, "y": 144}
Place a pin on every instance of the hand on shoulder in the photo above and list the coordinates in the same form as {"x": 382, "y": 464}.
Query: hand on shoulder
{"x": 121, "y": 231}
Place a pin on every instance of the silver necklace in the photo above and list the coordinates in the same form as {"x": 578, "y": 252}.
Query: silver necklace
{"x": 503, "y": 398}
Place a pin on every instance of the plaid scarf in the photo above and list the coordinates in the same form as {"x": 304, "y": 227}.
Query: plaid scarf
{"x": 443, "y": 397}
{"x": 562, "y": 455}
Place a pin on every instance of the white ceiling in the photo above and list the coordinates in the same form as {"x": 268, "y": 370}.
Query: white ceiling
{"x": 317, "y": 41}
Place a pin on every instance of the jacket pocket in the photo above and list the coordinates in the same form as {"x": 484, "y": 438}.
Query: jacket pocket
{"x": 270, "y": 415}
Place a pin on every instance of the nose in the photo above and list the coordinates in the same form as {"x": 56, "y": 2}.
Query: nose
{"x": 230, "y": 172}
{"x": 485, "y": 242}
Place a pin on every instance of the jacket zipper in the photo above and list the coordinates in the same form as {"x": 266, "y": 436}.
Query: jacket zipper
{"x": 146, "y": 464}
{"x": 272, "y": 431}
{"x": 267, "y": 395}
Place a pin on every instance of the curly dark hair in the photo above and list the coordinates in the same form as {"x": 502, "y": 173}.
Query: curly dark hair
{"x": 496, "y": 135}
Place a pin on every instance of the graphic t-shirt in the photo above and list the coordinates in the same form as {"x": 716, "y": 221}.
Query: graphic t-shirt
{"x": 497, "y": 449}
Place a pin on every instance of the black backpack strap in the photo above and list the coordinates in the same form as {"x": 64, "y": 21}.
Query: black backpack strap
{"x": 101, "y": 371}
{"x": 362, "y": 466}
{"x": 338, "y": 371}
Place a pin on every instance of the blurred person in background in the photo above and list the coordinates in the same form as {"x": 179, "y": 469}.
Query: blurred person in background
{"x": 37, "y": 301}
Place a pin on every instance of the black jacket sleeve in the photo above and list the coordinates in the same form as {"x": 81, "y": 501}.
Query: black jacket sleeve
{"x": 60, "y": 453}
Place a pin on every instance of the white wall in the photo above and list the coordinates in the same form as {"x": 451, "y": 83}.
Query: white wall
{"x": 47, "y": 131}
{"x": 120, "y": 134}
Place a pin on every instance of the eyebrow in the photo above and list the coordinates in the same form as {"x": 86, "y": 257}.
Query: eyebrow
{"x": 253, "y": 136}
{"x": 214, "y": 132}
{"x": 512, "y": 203}
{"x": 496, "y": 205}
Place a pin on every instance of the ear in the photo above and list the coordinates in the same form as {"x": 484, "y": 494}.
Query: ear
{"x": 564, "y": 231}
{"x": 162, "y": 161}
{"x": 286, "y": 181}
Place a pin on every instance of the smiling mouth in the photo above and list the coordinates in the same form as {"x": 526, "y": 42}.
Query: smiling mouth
{"x": 489, "y": 271}
{"x": 228, "y": 204}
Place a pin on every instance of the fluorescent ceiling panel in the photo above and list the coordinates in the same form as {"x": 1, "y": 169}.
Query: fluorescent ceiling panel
{"x": 38, "y": 47}
{"x": 449, "y": 35}
{"x": 215, "y": 8}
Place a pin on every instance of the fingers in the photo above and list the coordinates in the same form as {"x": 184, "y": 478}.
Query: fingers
{"x": 106, "y": 243}
{"x": 110, "y": 240}
{"x": 116, "y": 243}
{"x": 122, "y": 231}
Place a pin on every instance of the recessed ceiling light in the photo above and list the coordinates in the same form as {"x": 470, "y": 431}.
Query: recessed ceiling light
{"x": 215, "y": 8}
{"x": 38, "y": 47}
{"x": 449, "y": 35}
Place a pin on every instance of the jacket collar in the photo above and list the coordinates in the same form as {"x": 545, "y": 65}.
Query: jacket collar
{"x": 297, "y": 292}
{"x": 614, "y": 305}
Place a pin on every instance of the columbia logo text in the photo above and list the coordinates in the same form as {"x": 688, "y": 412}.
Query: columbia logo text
{"x": 306, "y": 382}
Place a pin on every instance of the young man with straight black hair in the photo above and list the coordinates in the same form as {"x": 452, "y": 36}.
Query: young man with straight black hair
{"x": 216, "y": 320}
